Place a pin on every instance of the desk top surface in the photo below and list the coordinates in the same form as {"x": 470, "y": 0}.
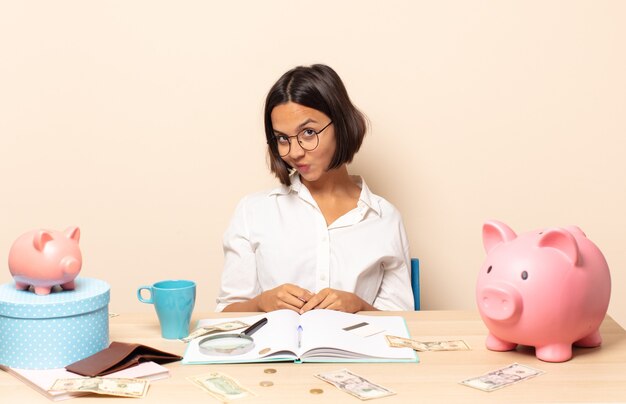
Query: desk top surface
{"x": 593, "y": 375}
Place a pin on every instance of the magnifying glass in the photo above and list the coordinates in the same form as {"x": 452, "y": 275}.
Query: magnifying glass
{"x": 231, "y": 344}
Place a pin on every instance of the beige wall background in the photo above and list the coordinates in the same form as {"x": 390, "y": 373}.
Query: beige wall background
{"x": 141, "y": 123}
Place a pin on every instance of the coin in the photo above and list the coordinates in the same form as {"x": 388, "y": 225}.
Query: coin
{"x": 266, "y": 383}
{"x": 264, "y": 351}
{"x": 270, "y": 370}
{"x": 316, "y": 391}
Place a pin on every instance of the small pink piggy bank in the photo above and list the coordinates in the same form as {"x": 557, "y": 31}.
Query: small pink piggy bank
{"x": 547, "y": 288}
{"x": 45, "y": 258}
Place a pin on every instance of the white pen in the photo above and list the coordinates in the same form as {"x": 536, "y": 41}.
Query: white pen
{"x": 299, "y": 336}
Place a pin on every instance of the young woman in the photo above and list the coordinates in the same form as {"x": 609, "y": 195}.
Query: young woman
{"x": 322, "y": 240}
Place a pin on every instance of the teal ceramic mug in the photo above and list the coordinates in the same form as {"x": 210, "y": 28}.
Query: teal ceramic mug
{"x": 173, "y": 301}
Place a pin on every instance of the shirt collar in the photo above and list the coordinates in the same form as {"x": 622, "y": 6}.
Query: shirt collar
{"x": 366, "y": 198}
{"x": 295, "y": 186}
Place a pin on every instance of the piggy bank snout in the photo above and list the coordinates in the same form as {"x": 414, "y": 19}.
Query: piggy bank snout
{"x": 70, "y": 265}
{"x": 500, "y": 302}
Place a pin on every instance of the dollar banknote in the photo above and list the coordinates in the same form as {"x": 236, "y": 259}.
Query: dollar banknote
{"x": 503, "y": 377}
{"x": 424, "y": 346}
{"x": 221, "y": 386}
{"x": 227, "y": 326}
{"x": 109, "y": 386}
{"x": 354, "y": 384}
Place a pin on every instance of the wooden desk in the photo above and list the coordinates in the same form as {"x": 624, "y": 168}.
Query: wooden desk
{"x": 593, "y": 375}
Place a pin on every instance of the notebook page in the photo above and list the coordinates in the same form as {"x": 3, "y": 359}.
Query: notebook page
{"x": 325, "y": 329}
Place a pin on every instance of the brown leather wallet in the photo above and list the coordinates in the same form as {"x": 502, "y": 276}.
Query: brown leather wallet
{"x": 118, "y": 356}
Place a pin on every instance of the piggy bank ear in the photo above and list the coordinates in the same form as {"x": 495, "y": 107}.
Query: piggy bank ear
{"x": 562, "y": 241}
{"x": 73, "y": 233}
{"x": 495, "y": 232}
{"x": 40, "y": 239}
{"x": 575, "y": 230}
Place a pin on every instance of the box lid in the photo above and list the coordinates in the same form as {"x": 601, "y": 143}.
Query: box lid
{"x": 89, "y": 295}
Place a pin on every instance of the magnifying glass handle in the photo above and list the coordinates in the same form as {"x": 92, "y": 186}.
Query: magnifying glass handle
{"x": 254, "y": 327}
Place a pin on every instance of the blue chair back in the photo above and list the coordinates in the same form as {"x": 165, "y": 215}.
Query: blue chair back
{"x": 415, "y": 282}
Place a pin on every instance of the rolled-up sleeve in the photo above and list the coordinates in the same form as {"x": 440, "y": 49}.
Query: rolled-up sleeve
{"x": 239, "y": 276}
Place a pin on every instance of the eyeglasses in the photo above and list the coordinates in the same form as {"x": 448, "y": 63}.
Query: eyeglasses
{"x": 307, "y": 139}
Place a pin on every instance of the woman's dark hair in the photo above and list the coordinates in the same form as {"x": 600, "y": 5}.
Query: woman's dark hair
{"x": 318, "y": 87}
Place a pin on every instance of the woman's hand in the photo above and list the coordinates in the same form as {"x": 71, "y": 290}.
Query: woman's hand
{"x": 333, "y": 299}
{"x": 286, "y": 296}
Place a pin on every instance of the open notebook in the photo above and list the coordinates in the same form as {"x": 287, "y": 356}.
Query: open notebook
{"x": 324, "y": 336}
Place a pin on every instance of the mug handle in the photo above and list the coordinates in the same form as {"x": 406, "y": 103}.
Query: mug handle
{"x": 141, "y": 299}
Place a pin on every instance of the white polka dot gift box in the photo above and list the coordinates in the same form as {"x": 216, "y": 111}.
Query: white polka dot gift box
{"x": 52, "y": 331}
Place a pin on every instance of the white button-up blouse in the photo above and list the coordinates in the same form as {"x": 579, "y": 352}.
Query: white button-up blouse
{"x": 281, "y": 236}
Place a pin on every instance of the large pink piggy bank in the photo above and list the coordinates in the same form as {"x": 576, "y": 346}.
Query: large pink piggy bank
{"x": 45, "y": 258}
{"x": 548, "y": 289}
